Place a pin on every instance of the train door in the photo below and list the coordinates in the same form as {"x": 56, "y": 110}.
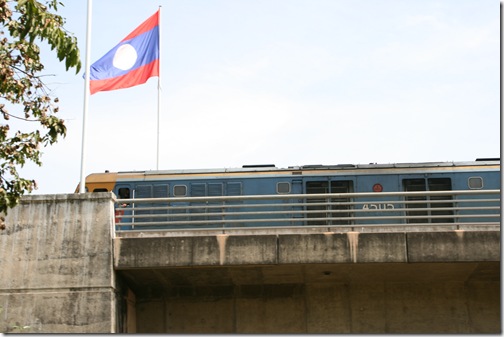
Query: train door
{"x": 179, "y": 211}
{"x": 425, "y": 208}
{"x": 292, "y": 206}
{"x": 335, "y": 208}
{"x": 122, "y": 209}
{"x": 297, "y": 186}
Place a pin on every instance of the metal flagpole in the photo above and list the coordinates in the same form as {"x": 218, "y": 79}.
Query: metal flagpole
{"x": 82, "y": 185}
{"x": 159, "y": 89}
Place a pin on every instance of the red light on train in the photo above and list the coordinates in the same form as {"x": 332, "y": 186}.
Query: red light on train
{"x": 377, "y": 188}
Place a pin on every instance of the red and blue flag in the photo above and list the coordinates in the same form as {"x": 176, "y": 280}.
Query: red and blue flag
{"x": 132, "y": 62}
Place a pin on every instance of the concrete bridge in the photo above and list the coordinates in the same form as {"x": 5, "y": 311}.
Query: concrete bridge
{"x": 65, "y": 270}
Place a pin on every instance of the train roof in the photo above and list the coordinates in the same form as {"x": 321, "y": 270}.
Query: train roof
{"x": 272, "y": 168}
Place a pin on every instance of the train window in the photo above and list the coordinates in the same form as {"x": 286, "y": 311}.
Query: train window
{"x": 161, "y": 191}
{"x": 283, "y": 188}
{"x": 411, "y": 185}
{"x": 439, "y": 184}
{"x": 215, "y": 190}
{"x": 475, "y": 183}
{"x": 234, "y": 188}
{"x": 429, "y": 203}
{"x": 143, "y": 191}
{"x": 180, "y": 190}
{"x": 314, "y": 187}
{"x": 198, "y": 190}
{"x": 124, "y": 193}
{"x": 100, "y": 190}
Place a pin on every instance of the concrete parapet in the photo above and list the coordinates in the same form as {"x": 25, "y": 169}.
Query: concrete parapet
{"x": 195, "y": 251}
{"x": 342, "y": 248}
{"x": 456, "y": 245}
{"x": 350, "y": 247}
{"x": 56, "y": 262}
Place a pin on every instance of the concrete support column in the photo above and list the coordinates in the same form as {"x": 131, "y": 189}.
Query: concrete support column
{"x": 56, "y": 262}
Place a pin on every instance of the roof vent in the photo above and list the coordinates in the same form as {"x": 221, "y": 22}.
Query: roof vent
{"x": 259, "y": 165}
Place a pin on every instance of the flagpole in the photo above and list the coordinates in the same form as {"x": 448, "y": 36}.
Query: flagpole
{"x": 82, "y": 185}
{"x": 159, "y": 89}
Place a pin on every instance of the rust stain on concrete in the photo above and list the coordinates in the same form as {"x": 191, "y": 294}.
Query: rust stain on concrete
{"x": 221, "y": 240}
{"x": 460, "y": 233}
{"x": 353, "y": 240}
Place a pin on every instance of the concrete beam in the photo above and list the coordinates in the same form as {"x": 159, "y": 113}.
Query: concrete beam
{"x": 455, "y": 246}
{"x": 194, "y": 251}
{"x": 350, "y": 247}
{"x": 342, "y": 248}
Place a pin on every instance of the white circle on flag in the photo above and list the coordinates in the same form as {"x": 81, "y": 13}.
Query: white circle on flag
{"x": 125, "y": 57}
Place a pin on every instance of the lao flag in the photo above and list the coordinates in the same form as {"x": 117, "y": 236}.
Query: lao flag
{"x": 132, "y": 62}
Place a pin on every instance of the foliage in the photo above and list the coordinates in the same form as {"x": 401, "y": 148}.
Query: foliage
{"x": 23, "y": 24}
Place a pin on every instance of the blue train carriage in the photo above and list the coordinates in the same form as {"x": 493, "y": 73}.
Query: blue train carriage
{"x": 311, "y": 195}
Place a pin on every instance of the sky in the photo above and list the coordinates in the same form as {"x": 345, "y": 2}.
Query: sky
{"x": 284, "y": 82}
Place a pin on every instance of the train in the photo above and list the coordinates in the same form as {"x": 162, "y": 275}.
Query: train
{"x": 307, "y": 195}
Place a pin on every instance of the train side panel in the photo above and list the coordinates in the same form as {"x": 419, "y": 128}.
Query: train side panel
{"x": 369, "y": 210}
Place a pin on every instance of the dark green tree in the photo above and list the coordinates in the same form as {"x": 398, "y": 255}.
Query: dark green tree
{"x": 24, "y": 25}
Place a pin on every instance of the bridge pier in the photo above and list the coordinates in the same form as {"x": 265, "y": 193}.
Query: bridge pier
{"x": 56, "y": 265}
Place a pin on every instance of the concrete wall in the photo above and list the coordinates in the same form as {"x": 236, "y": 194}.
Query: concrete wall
{"x": 56, "y": 265}
{"x": 375, "y": 306}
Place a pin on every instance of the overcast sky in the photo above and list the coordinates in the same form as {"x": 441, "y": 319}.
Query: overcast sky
{"x": 285, "y": 82}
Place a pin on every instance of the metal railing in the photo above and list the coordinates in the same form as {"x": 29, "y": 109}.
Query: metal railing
{"x": 352, "y": 210}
